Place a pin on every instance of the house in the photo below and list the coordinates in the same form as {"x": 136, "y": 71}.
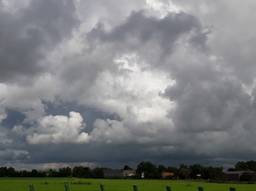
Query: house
{"x": 129, "y": 173}
{"x": 240, "y": 175}
{"x": 167, "y": 174}
{"x": 117, "y": 173}
{"x": 113, "y": 173}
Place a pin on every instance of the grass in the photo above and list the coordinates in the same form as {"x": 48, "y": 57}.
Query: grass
{"x": 57, "y": 184}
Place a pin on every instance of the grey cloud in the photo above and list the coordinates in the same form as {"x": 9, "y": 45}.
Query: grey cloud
{"x": 197, "y": 80}
{"x": 208, "y": 104}
{"x": 10, "y": 155}
{"x": 206, "y": 114}
{"x": 110, "y": 12}
{"x": 233, "y": 38}
{"x": 211, "y": 103}
{"x": 5, "y": 140}
{"x": 146, "y": 28}
{"x": 149, "y": 36}
{"x": 29, "y": 33}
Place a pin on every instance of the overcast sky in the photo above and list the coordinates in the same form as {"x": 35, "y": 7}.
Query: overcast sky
{"x": 120, "y": 81}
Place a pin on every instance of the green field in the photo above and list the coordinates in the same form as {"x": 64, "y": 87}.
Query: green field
{"x": 57, "y": 184}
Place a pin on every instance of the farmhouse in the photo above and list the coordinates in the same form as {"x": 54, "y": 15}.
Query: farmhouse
{"x": 117, "y": 173}
{"x": 167, "y": 174}
{"x": 240, "y": 175}
{"x": 129, "y": 173}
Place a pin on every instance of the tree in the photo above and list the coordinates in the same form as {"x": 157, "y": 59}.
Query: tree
{"x": 126, "y": 167}
{"x": 161, "y": 168}
{"x": 184, "y": 172}
{"x": 3, "y": 171}
{"x": 150, "y": 171}
{"x": 65, "y": 172}
{"x": 81, "y": 172}
{"x": 97, "y": 173}
{"x": 34, "y": 173}
{"x": 246, "y": 165}
{"x": 11, "y": 172}
{"x": 52, "y": 173}
{"x": 241, "y": 165}
{"x": 251, "y": 165}
{"x": 196, "y": 170}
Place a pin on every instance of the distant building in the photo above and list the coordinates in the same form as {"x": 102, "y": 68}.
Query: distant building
{"x": 113, "y": 173}
{"x": 240, "y": 175}
{"x": 129, "y": 173}
{"x": 167, "y": 174}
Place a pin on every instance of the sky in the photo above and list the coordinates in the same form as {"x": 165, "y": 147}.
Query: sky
{"x": 121, "y": 81}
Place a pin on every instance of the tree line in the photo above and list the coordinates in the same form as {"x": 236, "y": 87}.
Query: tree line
{"x": 78, "y": 171}
{"x": 195, "y": 171}
{"x": 148, "y": 169}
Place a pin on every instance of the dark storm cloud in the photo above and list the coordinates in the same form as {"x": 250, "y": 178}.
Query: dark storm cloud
{"x": 149, "y": 36}
{"x": 13, "y": 118}
{"x": 26, "y": 35}
{"x": 13, "y": 155}
{"x": 146, "y": 28}
{"x": 176, "y": 94}
{"x": 207, "y": 100}
{"x": 212, "y": 105}
{"x": 138, "y": 33}
{"x": 233, "y": 36}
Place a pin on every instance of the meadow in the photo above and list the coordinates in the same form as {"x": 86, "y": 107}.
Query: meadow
{"x": 57, "y": 184}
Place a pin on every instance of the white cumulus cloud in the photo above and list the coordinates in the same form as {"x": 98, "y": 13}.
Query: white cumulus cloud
{"x": 59, "y": 129}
